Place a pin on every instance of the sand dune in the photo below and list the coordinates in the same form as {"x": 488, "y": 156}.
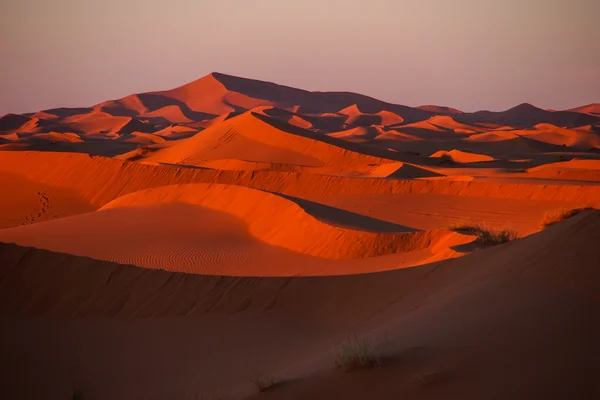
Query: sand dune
{"x": 221, "y": 193}
{"x": 100, "y": 180}
{"x": 593, "y": 109}
{"x": 395, "y": 170}
{"x": 578, "y": 170}
{"x": 440, "y": 109}
{"x": 548, "y": 133}
{"x": 172, "y": 114}
{"x": 518, "y": 301}
{"x": 256, "y": 210}
{"x": 462, "y": 156}
{"x": 143, "y": 138}
{"x": 251, "y": 137}
{"x": 10, "y": 122}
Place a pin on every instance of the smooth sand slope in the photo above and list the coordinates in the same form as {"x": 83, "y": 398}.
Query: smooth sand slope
{"x": 88, "y": 183}
{"x": 463, "y": 321}
{"x": 232, "y": 230}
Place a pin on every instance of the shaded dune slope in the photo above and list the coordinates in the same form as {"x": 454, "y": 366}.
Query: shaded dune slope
{"x": 465, "y": 319}
{"x": 546, "y": 258}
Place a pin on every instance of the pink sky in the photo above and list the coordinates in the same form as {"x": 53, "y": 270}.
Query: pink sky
{"x": 468, "y": 54}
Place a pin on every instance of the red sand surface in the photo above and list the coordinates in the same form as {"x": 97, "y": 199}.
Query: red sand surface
{"x": 180, "y": 243}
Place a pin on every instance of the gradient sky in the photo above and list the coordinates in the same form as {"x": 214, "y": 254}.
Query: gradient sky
{"x": 468, "y": 54}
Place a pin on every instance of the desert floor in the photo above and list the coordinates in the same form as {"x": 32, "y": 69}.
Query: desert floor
{"x": 200, "y": 242}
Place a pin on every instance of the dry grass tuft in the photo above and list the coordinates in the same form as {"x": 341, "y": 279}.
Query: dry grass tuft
{"x": 356, "y": 354}
{"x": 485, "y": 235}
{"x": 556, "y": 216}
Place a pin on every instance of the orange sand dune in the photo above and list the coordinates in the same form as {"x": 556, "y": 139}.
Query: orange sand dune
{"x": 450, "y": 329}
{"x": 172, "y": 114}
{"x": 101, "y": 180}
{"x": 299, "y": 122}
{"x": 236, "y": 165}
{"x": 265, "y": 224}
{"x": 395, "y": 170}
{"x": 551, "y": 134}
{"x": 578, "y": 170}
{"x": 30, "y": 202}
{"x": 389, "y": 118}
{"x": 256, "y": 210}
{"x": 593, "y": 109}
{"x": 510, "y": 144}
{"x": 462, "y": 156}
{"x": 441, "y": 123}
{"x": 176, "y": 132}
{"x": 59, "y": 137}
{"x": 494, "y": 136}
{"x": 143, "y": 138}
{"x": 127, "y": 106}
{"x": 440, "y": 109}
{"x": 209, "y": 95}
{"x": 357, "y": 117}
{"x": 10, "y": 136}
{"x": 97, "y": 123}
{"x": 33, "y": 125}
{"x": 392, "y": 134}
{"x": 361, "y": 132}
{"x": 10, "y": 122}
{"x": 251, "y": 137}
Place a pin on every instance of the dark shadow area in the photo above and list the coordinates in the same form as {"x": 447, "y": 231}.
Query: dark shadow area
{"x": 64, "y": 112}
{"x": 345, "y": 219}
{"x": 527, "y": 116}
{"x": 154, "y": 102}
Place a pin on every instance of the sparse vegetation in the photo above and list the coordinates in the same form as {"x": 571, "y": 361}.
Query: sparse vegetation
{"x": 492, "y": 237}
{"x": 556, "y": 216}
{"x": 77, "y": 394}
{"x": 485, "y": 235}
{"x": 265, "y": 383}
{"x": 356, "y": 354}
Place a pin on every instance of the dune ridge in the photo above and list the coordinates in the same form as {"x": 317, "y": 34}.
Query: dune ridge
{"x": 114, "y": 178}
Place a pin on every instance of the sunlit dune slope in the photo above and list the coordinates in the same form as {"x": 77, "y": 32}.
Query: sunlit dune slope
{"x": 261, "y": 217}
{"x": 100, "y": 180}
{"x": 579, "y": 170}
{"x": 251, "y": 137}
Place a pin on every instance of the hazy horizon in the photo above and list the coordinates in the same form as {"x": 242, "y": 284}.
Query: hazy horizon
{"x": 467, "y": 54}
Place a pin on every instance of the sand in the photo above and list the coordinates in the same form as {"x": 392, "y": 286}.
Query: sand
{"x": 464, "y": 321}
{"x": 181, "y": 243}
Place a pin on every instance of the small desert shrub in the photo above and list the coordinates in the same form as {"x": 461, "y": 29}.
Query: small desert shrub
{"x": 554, "y": 217}
{"x": 264, "y": 383}
{"x": 463, "y": 225}
{"x": 492, "y": 237}
{"x": 485, "y": 235}
{"x": 356, "y": 354}
{"x": 77, "y": 394}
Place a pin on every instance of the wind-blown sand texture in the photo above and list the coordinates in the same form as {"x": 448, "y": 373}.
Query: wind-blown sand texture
{"x": 181, "y": 243}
